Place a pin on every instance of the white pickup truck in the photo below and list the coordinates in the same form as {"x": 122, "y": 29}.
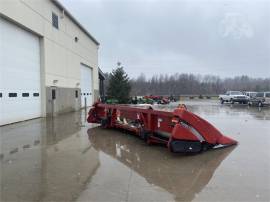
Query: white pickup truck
{"x": 234, "y": 96}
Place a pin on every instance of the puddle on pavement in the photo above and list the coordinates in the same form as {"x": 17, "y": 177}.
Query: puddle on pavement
{"x": 59, "y": 160}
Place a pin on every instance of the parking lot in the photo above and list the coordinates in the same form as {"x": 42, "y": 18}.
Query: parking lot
{"x": 67, "y": 159}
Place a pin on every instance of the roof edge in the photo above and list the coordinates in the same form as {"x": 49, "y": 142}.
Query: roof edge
{"x": 100, "y": 72}
{"x": 73, "y": 19}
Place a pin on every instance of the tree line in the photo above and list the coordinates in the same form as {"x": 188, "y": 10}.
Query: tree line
{"x": 191, "y": 84}
{"x": 188, "y": 84}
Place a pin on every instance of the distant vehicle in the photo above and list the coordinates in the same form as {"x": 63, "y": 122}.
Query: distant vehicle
{"x": 158, "y": 99}
{"x": 112, "y": 101}
{"x": 234, "y": 96}
{"x": 250, "y": 94}
{"x": 261, "y": 99}
{"x": 146, "y": 101}
{"x": 163, "y": 101}
{"x": 171, "y": 98}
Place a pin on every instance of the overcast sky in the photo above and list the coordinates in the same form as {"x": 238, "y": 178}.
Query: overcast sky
{"x": 225, "y": 38}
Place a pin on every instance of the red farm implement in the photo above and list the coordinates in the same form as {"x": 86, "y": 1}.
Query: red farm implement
{"x": 181, "y": 130}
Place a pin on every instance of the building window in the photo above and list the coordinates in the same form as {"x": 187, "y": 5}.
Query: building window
{"x": 12, "y": 95}
{"x": 76, "y": 93}
{"x": 1, "y": 94}
{"x": 55, "y": 20}
{"x": 36, "y": 94}
{"x": 25, "y": 94}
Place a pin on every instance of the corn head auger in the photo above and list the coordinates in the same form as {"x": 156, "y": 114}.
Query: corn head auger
{"x": 181, "y": 130}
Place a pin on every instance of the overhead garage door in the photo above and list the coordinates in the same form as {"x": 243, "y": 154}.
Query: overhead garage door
{"x": 19, "y": 74}
{"x": 86, "y": 85}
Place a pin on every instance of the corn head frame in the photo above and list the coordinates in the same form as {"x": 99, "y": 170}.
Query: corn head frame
{"x": 181, "y": 130}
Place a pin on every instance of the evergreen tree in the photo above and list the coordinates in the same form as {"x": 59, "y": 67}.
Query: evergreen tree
{"x": 119, "y": 85}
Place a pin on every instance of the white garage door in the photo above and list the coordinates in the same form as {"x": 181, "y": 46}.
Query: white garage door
{"x": 86, "y": 85}
{"x": 19, "y": 74}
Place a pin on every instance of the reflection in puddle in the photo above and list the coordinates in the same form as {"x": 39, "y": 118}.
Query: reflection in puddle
{"x": 214, "y": 108}
{"x": 181, "y": 175}
{"x": 45, "y": 160}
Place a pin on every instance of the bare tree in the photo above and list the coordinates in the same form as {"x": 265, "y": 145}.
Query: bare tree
{"x": 180, "y": 84}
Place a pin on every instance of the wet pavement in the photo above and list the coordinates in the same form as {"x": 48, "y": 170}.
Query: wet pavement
{"x": 67, "y": 159}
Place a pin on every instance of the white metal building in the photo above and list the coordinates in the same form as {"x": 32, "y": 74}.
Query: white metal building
{"x": 48, "y": 61}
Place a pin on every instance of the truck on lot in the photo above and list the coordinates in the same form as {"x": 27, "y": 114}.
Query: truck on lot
{"x": 234, "y": 96}
{"x": 261, "y": 99}
{"x": 250, "y": 94}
